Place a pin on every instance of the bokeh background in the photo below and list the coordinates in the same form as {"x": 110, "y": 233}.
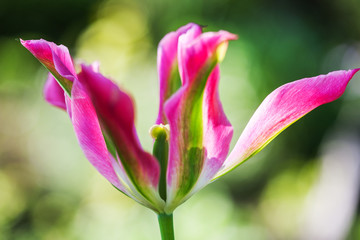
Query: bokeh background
{"x": 304, "y": 185}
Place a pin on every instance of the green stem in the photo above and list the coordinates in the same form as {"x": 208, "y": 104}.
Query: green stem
{"x": 166, "y": 226}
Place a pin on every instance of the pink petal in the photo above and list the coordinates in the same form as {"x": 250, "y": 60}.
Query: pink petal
{"x": 53, "y": 93}
{"x": 217, "y": 132}
{"x": 116, "y": 112}
{"x": 89, "y": 134}
{"x": 194, "y": 54}
{"x": 167, "y": 65}
{"x": 282, "y": 108}
{"x": 56, "y": 58}
{"x": 91, "y": 140}
{"x": 68, "y": 105}
{"x": 200, "y": 132}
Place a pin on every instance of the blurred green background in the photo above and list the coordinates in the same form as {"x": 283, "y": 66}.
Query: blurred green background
{"x": 304, "y": 185}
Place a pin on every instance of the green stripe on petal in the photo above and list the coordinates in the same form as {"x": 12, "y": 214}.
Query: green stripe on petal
{"x": 184, "y": 110}
{"x": 167, "y": 63}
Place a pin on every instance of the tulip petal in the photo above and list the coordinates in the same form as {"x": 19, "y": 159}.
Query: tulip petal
{"x": 88, "y": 132}
{"x": 201, "y": 54}
{"x": 116, "y": 113}
{"x": 91, "y": 141}
{"x": 217, "y": 133}
{"x": 56, "y": 58}
{"x": 283, "y": 107}
{"x": 169, "y": 78}
{"x": 53, "y": 93}
{"x": 191, "y": 112}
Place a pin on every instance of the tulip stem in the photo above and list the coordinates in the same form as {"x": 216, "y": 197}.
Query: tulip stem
{"x": 166, "y": 226}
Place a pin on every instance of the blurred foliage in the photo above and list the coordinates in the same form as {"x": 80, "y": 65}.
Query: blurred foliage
{"x": 48, "y": 189}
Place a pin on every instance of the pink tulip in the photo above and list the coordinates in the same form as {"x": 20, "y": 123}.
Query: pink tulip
{"x": 192, "y": 150}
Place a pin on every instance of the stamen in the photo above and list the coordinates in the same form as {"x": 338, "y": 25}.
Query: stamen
{"x": 161, "y": 134}
{"x": 159, "y": 129}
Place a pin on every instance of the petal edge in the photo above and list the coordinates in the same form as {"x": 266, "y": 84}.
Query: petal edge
{"x": 283, "y": 107}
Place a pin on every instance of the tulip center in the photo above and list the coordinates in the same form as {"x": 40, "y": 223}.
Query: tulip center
{"x": 161, "y": 134}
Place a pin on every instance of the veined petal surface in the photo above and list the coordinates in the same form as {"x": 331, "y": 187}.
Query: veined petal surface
{"x": 191, "y": 111}
{"x": 169, "y": 78}
{"x": 115, "y": 111}
{"x": 283, "y": 107}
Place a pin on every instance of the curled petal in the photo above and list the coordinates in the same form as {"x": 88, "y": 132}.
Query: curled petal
{"x": 53, "y": 93}
{"x": 116, "y": 113}
{"x": 56, "y": 58}
{"x": 196, "y": 118}
{"x": 283, "y": 107}
{"x": 169, "y": 78}
{"x": 201, "y": 54}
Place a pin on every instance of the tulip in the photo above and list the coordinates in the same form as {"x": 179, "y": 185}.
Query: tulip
{"x": 192, "y": 134}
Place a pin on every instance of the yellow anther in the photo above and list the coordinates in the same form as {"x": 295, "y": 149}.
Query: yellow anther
{"x": 158, "y": 129}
